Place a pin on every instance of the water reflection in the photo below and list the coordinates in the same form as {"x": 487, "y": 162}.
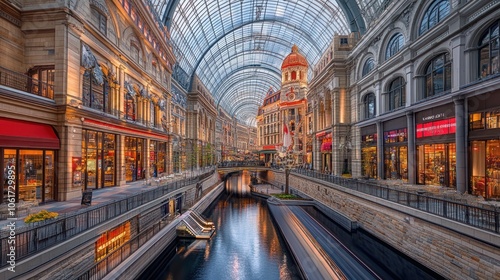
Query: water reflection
{"x": 245, "y": 246}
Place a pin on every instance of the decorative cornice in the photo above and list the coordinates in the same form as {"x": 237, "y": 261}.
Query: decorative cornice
{"x": 483, "y": 10}
{"x": 10, "y": 18}
{"x": 431, "y": 44}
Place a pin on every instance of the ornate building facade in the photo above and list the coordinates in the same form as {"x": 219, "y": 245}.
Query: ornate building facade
{"x": 85, "y": 96}
{"x": 286, "y": 106}
{"x": 424, "y": 96}
{"x": 330, "y": 109}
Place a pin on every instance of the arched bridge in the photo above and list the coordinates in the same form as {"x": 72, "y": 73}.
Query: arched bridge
{"x": 227, "y": 167}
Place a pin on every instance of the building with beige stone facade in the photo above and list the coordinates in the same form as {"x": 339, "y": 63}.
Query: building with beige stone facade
{"x": 85, "y": 96}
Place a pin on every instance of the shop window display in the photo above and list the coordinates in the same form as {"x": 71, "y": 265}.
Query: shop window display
{"x": 396, "y": 163}
{"x": 437, "y": 164}
{"x": 369, "y": 162}
{"x": 99, "y": 159}
{"x": 31, "y": 172}
{"x": 134, "y": 166}
{"x": 485, "y": 165}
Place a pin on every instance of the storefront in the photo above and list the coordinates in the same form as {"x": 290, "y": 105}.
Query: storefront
{"x": 325, "y": 140}
{"x": 396, "y": 149}
{"x": 436, "y": 149}
{"x": 98, "y": 159}
{"x": 484, "y": 147}
{"x": 134, "y": 162}
{"x": 157, "y": 156}
{"x": 29, "y": 164}
{"x": 369, "y": 151}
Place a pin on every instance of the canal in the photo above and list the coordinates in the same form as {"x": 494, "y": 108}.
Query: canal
{"x": 248, "y": 246}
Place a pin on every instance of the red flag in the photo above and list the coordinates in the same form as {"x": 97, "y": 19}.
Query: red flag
{"x": 287, "y": 137}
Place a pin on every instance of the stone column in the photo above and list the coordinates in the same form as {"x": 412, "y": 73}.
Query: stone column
{"x": 460, "y": 143}
{"x": 458, "y": 65}
{"x": 317, "y": 153}
{"x": 121, "y": 168}
{"x": 380, "y": 150}
{"x": 412, "y": 167}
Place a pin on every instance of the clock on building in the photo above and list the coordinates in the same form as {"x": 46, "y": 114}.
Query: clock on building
{"x": 291, "y": 94}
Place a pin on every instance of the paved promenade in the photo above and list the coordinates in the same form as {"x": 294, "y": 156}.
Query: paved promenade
{"x": 99, "y": 197}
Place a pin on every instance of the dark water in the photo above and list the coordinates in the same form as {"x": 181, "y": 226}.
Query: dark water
{"x": 246, "y": 244}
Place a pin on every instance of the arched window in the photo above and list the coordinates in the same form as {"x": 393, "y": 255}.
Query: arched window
{"x": 436, "y": 12}
{"x": 41, "y": 81}
{"x": 154, "y": 113}
{"x": 134, "y": 51}
{"x": 99, "y": 19}
{"x": 130, "y": 103}
{"x": 396, "y": 97}
{"x": 154, "y": 67}
{"x": 96, "y": 90}
{"x": 368, "y": 67}
{"x": 294, "y": 75}
{"x": 286, "y": 76}
{"x": 369, "y": 106}
{"x": 395, "y": 44}
{"x": 488, "y": 49}
{"x": 438, "y": 75}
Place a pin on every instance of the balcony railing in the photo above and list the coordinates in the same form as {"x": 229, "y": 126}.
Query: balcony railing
{"x": 25, "y": 83}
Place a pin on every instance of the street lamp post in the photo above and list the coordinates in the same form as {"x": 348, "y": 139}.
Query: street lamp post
{"x": 286, "y": 159}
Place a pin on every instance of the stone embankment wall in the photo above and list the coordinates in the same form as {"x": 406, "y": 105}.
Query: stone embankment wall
{"x": 454, "y": 250}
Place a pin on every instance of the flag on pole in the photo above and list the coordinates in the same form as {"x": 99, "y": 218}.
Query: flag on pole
{"x": 287, "y": 137}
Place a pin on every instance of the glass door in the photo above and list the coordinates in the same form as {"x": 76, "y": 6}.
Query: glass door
{"x": 31, "y": 175}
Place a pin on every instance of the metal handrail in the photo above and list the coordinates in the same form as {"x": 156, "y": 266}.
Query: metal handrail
{"x": 25, "y": 83}
{"x": 479, "y": 217}
{"x": 36, "y": 237}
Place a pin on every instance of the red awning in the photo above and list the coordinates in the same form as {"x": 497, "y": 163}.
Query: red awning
{"x": 22, "y": 134}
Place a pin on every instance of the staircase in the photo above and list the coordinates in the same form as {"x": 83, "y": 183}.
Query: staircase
{"x": 194, "y": 226}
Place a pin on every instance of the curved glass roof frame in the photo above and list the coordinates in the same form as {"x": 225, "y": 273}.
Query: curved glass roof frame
{"x": 221, "y": 60}
{"x": 238, "y": 92}
{"x": 256, "y": 78}
{"x": 371, "y": 9}
{"x": 266, "y": 71}
{"x": 197, "y": 24}
{"x": 219, "y": 39}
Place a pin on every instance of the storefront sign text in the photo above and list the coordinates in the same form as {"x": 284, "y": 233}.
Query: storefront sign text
{"x": 436, "y": 128}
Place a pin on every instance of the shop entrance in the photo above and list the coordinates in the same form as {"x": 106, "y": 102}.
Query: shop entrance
{"x": 369, "y": 162}
{"x": 396, "y": 163}
{"x": 437, "y": 164}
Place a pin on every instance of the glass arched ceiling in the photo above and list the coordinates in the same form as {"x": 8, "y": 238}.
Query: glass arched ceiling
{"x": 224, "y": 42}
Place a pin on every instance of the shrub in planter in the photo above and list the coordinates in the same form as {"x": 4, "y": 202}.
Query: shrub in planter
{"x": 40, "y": 216}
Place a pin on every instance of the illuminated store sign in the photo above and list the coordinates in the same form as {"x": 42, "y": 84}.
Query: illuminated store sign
{"x": 112, "y": 240}
{"x": 436, "y": 128}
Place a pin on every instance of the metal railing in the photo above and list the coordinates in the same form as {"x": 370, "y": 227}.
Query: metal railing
{"x": 25, "y": 83}
{"x": 479, "y": 217}
{"x": 102, "y": 268}
{"x": 36, "y": 237}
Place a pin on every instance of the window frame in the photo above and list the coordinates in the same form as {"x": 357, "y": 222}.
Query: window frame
{"x": 431, "y": 70}
{"x": 437, "y": 11}
{"x": 368, "y": 99}
{"x": 490, "y": 35}
{"x": 102, "y": 20}
{"x": 41, "y": 80}
{"x": 394, "y": 91}
{"x": 368, "y": 67}
{"x": 394, "y": 45}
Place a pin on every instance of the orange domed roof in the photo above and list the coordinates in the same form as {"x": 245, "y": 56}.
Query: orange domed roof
{"x": 294, "y": 59}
